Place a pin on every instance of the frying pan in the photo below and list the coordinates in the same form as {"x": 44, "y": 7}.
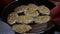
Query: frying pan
{"x": 36, "y": 27}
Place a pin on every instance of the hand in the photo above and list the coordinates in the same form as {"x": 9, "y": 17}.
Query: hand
{"x": 55, "y": 11}
{"x": 57, "y": 4}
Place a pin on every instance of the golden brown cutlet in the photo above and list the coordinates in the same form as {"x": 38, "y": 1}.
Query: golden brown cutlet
{"x": 21, "y": 28}
{"x": 21, "y": 8}
{"x": 31, "y": 13}
{"x": 12, "y": 18}
{"x": 44, "y": 10}
{"x": 42, "y": 19}
{"x": 24, "y": 19}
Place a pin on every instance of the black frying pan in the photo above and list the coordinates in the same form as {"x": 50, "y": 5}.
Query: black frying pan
{"x": 10, "y": 8}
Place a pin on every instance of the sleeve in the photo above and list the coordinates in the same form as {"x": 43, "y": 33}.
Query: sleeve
{"x": 5, "y": 28}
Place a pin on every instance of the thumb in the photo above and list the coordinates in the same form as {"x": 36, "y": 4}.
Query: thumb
{"x": 57, "y": 3}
